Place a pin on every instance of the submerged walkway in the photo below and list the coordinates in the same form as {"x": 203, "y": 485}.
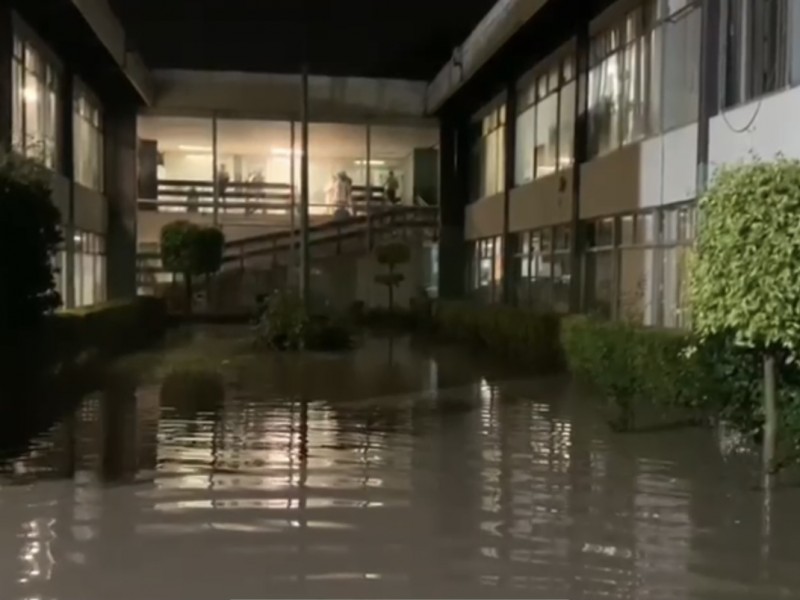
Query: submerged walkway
{"x": 206, "y": 472}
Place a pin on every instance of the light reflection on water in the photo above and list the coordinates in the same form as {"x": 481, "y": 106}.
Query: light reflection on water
{"x": 394, "y": 472}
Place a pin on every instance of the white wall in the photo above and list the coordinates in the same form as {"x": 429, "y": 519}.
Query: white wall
{"x": 669, "y": 167}
{"x": 772, "y": 130}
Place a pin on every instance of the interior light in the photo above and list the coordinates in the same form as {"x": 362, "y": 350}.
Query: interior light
{"x": 285, "y": 152}
{"x": 30, "y": 94}
{"x": 374, "y": 163}
{"x": 190, "y": 148}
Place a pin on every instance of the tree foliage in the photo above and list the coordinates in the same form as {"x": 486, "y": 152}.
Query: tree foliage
{"x": 210, "y": 248}
{"x": 745, "y": 275}
{"x": 30, "y": 234}
{"x": 392, "y": 254}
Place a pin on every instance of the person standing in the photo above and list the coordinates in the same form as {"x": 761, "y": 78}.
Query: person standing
{"x": 390, "y": 187}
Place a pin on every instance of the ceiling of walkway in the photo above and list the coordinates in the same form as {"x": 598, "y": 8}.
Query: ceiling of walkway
{"x": 409, "y": 39}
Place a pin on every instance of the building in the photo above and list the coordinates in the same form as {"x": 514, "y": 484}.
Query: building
{"x": 69, "y": 96}
{"x": 577, "y": 135}
{"x": 564, "y": 142}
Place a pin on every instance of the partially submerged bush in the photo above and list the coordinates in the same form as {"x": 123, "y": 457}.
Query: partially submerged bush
{"x": 284, "y": 323}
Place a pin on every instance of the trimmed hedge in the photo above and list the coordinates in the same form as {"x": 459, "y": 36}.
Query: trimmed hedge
{"x": 634, "y": 367}
{"x": 519, "y": 334}
{"x": 109, "y": 329}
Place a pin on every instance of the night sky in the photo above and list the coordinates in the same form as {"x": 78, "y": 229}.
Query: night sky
{"x": 371, "y": 38}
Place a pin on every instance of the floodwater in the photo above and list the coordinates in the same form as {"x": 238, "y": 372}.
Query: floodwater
{"x": 206, "y": 472}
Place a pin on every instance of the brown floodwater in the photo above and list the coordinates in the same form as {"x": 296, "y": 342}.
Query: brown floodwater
{"x": 205, "y": 471}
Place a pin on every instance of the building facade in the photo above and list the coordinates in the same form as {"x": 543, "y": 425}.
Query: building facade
{"x": 69, "y": 96}
{"x": 574, "y": 154}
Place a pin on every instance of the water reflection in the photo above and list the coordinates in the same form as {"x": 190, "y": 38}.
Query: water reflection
{"x": 393, "y": 472}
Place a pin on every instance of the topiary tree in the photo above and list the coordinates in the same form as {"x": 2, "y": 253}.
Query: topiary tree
{"x": 30, "y": 234}
{"x": 178, "y": 252}
{"x": 745, "y": 274}
{"x": 391, "y": 255}
{"x": 209, "y": 251}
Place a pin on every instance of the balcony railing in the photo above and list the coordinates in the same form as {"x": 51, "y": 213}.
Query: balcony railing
{"x": 251, "y": 198}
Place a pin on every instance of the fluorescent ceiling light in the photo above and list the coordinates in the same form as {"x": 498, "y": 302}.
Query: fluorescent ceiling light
{"x": 30, "y": 94}
{"x": 285, "y": 152}
{"x": 190, "y": 148}
{"x": 374, "y": 163}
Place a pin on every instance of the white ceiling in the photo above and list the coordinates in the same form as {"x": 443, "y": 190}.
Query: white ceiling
{"x": 247, "y": 137}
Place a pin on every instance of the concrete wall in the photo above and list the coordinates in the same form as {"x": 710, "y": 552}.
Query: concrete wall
{"x": 669, "y": 167}
{"x": 278, "y": 96}
{"x": 91, "y": 210}
{"x": 542, "y": 202}
{"x": 610, "y": 183}
{"x": 484, "y": 217}
{"x": 770, "y": 132}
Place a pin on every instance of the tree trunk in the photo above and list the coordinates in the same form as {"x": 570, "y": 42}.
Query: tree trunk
{"x": 187, "y": 279}
{"x": 770, "y": 413}
{"x": 391, "y": 289}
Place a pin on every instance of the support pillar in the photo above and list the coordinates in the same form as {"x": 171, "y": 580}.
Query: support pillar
{"x": 305, "y": 267}
{"x": 121, "y": 191}
{"x": 580, "y": 148}
{"x": 66, "y": 166}
{"x": 709, "y": 86}
{"x": 452, "y": 181}
{"x": 510, "y": 274}
{"x": 369, "y": 189}
{"x": 6, "y": 57}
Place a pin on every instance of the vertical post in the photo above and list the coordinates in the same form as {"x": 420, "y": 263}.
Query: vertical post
{"x": 579, "y": 151}
{"x": 709, "y": 86}
{"x": 292, "y": 203}
{"x": 305, "y": 267}
{"x": 66, "y": 165}
{"x": 509, "y": 276}
{"x": 6, "y": 77}
{"x": 453, "y": 188}
{"x": 369, "y": 188}
{"x": 215, "y": 167}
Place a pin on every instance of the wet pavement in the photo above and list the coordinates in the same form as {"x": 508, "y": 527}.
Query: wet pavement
{"x": 207, "y": 472}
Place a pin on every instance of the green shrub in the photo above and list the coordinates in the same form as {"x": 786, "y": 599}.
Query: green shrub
{"x": 529, "y": 337}
{"x": 30, "y": 233}
{"x": 112, "y": 328}
{"x": 634, "y": 368}
{"x": 284, "y": 323}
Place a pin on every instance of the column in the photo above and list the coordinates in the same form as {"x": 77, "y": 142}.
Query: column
{"x": 509, "y": 273}
{"x": 6, "y": 55}
{"x": 709, "y": 86}
{"x": 66, "y": 166}
{"x": 452, "y": 194}
{"x": 121, "y": 192}
{"x": 580, "y": 147}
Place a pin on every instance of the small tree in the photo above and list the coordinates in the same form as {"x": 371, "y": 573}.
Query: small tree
{"x": 178, "y": 252}
{"x": 209, "y": 251}
{"x": 30, "y": 234}
{"x": 391, "y": 255}
{"x": 745, "y": 275}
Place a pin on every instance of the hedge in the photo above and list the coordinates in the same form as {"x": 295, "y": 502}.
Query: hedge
{"x": 516, "y": 333}
{"x": 109, "y": 329}
{"x": 634, "y": 368}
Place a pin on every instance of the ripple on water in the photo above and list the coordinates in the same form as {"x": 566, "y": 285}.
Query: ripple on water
{"x": 397, "y": 471}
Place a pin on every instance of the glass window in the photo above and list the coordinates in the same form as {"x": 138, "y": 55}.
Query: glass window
{"x": 547, "y": 136}
{"x": 255, "y": 168}
{"x": 756, "y": 48}
{"x": 88, "y": 140}
{"x": 566, "y": 136}
{"x": 34, "y": 104}
{"x": 489, "y": 155}
{"x": 525, "y": 145}
{"x": 604, "y": 106}
{"x": 337, "y": 156}
{"x": 600, "y": 283}
{"x": 404, "y": 165}
{"x": 176, "y": 166}
{"x": 681, "y": 77}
